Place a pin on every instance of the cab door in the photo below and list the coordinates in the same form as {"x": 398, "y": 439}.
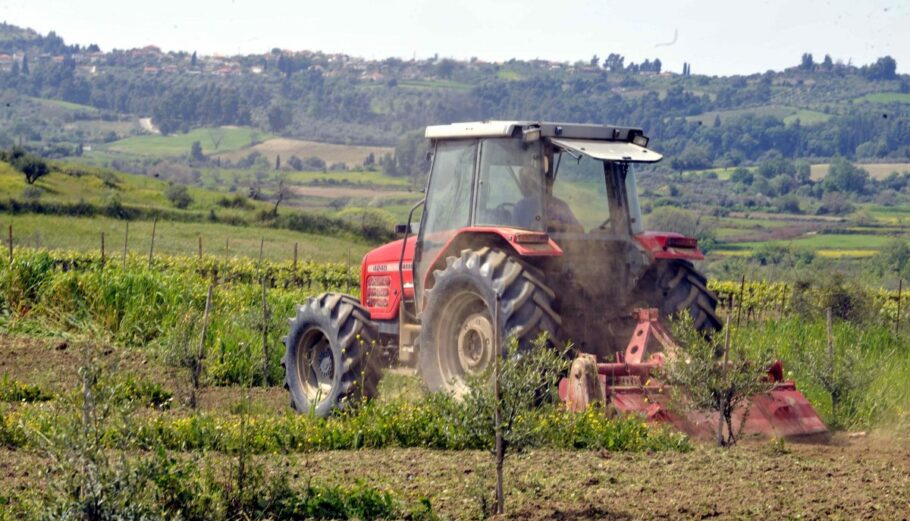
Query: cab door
{"x": 450, "y": 190}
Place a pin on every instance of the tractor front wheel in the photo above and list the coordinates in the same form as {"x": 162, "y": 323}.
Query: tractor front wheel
{"x": 327, "y": 360}
{"x": 457, "y": 337}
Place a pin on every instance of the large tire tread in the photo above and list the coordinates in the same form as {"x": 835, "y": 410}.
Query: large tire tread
{"x": 351, "y": 335}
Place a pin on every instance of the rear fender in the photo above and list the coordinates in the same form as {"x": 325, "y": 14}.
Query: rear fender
{"x": 669, "y": 245}
{"x": 523, "y": 242}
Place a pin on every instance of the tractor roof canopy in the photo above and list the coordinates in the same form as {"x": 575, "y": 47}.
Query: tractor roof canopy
{"x": 601, "y": 142}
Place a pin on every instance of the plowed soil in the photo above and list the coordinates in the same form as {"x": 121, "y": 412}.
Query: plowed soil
{"x": 855, "y": 476}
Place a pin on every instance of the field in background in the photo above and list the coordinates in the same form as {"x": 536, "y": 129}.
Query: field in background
{"x": 351, "y": 155}
{"x": 177, "y": 238}
{"x": 876, "y": 170}
{"x": 213, "y": 140}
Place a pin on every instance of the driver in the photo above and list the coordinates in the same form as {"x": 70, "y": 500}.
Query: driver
{"x": 558, "y": 214}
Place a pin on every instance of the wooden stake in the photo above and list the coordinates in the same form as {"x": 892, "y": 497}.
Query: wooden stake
{"x": 200, "y": 353}
{"x": 200, "y": 247}
{"x": 152, "y": 245}
{"x": 829, "y": 326}
{"x": 11, "y": 244}
{"x": 742, "y": 290}
{"x": 897, "y": 319}
{"x": 295, "y": 259}
{"x": 261, "y": 245}
{"x": 723, "y": 404}
{"x": 102, "y": 249}
{"x": 126, "y": 241}
{"x": 497, "y": 411}
{"x": 265, "y": 336}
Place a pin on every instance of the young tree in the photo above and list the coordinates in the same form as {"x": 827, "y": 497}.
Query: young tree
{"x": 714, "y": 376}
{"x": 494, "y": 412}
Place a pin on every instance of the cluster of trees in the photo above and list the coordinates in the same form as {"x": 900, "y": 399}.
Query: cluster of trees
{"x": 304, "y": 102}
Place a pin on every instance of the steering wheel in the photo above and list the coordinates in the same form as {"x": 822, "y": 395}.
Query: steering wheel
{"x": 505, "y": 210}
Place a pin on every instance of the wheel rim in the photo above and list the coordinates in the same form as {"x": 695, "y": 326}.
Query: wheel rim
{"x": 315, "y": 365}
{"x": 464, "y": 340}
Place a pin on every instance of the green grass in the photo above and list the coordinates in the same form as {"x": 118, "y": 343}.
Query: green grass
{"x": 434, "y": 84}
{"x": 509, "y": 75}
{"x": 176, "y": 238}
{"x": 779, "y": 112}
{"x": 215, "y": 139}
{"x": 817, "y": 242}
{"x": 362, "y": 177}
{"x": 56, "y": 103}
{"x": 807, "y": 117}
{"x": 885, "y": 97}
{"x": 132, "y": 190}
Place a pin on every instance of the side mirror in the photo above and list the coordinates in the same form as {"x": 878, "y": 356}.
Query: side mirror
{"x": 402, "y": 229}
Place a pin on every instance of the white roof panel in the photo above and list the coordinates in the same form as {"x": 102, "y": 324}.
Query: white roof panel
{"x": 609, "y": 150}
{"x": 472, "y": 129}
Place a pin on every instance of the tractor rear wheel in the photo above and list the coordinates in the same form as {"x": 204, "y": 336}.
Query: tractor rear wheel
{"x": 682, "y": 288}
{"x": 457, "y": 334}
{"x": 327, "y": 360}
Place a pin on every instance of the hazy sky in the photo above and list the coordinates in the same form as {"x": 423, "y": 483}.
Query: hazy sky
{"x": 716, "y": 36}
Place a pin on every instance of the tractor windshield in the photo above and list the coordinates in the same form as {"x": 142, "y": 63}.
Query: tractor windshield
{"x": 526, "y": 186}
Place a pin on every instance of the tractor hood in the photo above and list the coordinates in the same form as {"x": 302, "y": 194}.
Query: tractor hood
{"x": 609, "y": 150}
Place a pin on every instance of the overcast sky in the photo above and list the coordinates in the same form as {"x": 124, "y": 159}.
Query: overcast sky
{"x": 715, "y": 36}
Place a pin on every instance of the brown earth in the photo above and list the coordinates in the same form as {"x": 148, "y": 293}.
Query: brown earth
{"x": 853, "y": 477}
{"x": 352, "y": 155}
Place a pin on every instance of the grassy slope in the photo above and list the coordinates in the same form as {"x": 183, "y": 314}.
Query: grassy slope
{"x": 84, "y": 234}
{"x": 876, "y": 170}
{"x": 172, "y": 237}
{"x": 231, "y": 138}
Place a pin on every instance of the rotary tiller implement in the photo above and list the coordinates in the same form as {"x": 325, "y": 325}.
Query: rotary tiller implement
{"x": 631, "y": 386}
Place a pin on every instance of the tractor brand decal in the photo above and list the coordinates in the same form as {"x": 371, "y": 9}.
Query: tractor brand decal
{"x": 388, "y": 268}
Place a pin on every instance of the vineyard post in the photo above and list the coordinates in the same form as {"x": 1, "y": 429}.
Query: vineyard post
{"x": 897, "y": 319}
{"x": 783, "y": 303}
{"x": 102, "y": 249}
{"x": 295, "y": 259}
{"x": 742, "y": 289}
{"x": 152, "y": 245}
{"x": 721, "y": 413}
{"x": 261, "y": 245}
{"x": 200, "y": 353}
{"x": 500, "y": 450}
{"x": 829, "y": 328}
{"x": 200, "y": 247}
{"x": 265, "y": 335}
{"x": 11, "y": 244}
{"x": 126, "y": 241}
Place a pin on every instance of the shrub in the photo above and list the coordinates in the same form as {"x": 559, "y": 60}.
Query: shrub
{"x": 178, "y": 195}
{"x": 13, "y": 391}
{"x": 32, "y": 193}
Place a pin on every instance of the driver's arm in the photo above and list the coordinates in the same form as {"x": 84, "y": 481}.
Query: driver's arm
{"x": 560, "y": 217}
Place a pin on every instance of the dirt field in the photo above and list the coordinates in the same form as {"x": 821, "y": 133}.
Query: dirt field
{"x": 351, "y": 155}
{"x": 854, "y": 477}
{"x": 867, "y": 478}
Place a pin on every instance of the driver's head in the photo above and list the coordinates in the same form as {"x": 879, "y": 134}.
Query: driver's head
{"x": 529, "y": 181}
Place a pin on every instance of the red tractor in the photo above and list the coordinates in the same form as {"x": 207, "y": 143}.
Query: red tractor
{"x": 546, "y": 216}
